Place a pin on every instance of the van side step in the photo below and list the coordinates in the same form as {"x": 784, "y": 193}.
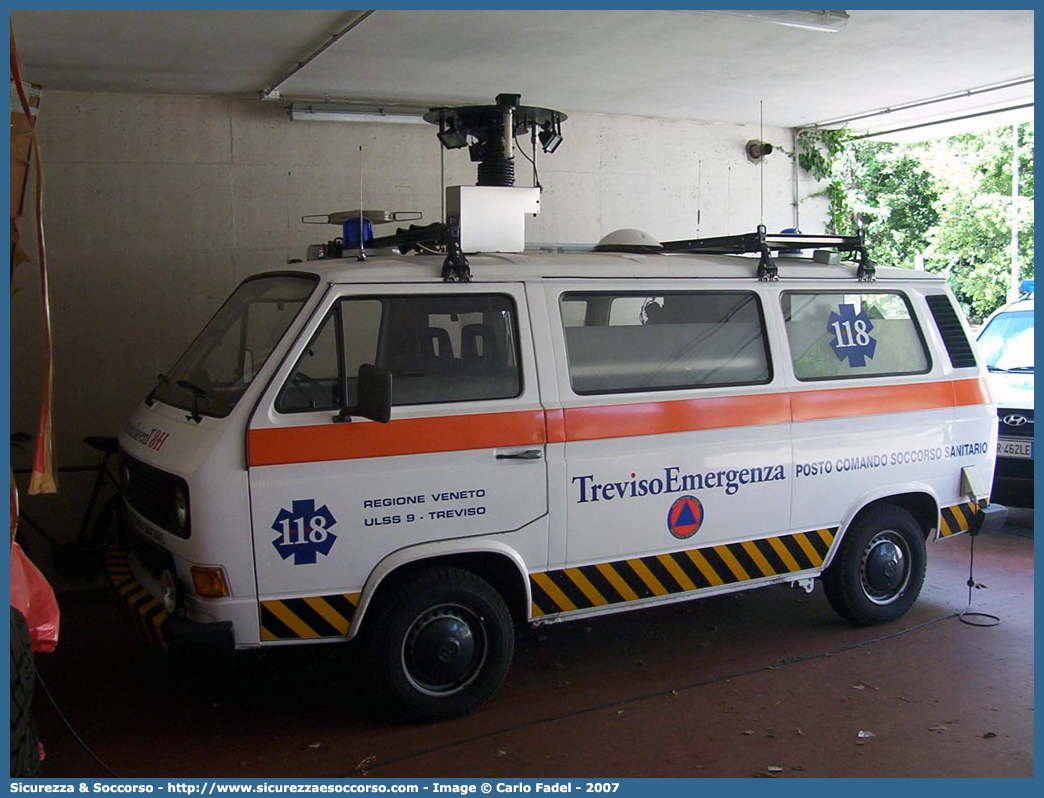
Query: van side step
{"x": 622, "y": 581}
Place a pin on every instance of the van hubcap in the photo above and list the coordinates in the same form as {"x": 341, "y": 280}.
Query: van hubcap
{"x": 885, "y": 568}
{"x": 444, "y": 649}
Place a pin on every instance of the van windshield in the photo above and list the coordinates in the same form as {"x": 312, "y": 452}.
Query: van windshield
{"x": 1007, "y": 342}
{"x": 219, "y": 366}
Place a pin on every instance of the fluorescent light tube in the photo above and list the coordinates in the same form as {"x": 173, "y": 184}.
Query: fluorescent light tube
{"x": 823, "y": 21}
{"x": 320, "y": 113}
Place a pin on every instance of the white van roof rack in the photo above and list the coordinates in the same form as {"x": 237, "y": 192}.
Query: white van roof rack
{"x": 765, "y": 243}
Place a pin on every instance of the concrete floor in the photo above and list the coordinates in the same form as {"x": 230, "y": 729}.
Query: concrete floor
{"x": 729, "y": 686}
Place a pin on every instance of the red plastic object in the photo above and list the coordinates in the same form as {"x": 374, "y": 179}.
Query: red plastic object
{"x": 32, "y": 596}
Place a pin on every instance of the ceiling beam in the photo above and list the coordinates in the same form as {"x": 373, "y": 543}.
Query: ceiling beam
{"x": 271, "y": 92}
{"x": 891, "y": 109}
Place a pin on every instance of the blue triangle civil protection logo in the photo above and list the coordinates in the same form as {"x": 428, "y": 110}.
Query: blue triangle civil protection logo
{"x": 685, "y": 517}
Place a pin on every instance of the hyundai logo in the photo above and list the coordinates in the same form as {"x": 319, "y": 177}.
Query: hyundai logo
{"x": 1016, "y": 420}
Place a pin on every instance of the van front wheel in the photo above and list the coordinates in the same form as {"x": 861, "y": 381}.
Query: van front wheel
{"x": 878, "y": 572}
{"x": 440, "y": 644}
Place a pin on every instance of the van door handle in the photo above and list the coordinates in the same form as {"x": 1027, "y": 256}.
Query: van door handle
{"x": 528, "y": 454}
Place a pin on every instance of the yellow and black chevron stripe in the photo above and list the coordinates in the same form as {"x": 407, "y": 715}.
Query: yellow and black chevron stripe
{"x": 308, "y": 618}
{"x": 145, "y": 612}
{"x": 957, "y": 519}
{"x": 602, "y": 584}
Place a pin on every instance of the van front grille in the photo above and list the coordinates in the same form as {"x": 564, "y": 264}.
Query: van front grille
{"x": 1015, "y": 423}
{"x": 151, "y": 492}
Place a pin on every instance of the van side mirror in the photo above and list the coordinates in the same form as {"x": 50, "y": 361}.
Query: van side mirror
{"x": 375, "y": 396}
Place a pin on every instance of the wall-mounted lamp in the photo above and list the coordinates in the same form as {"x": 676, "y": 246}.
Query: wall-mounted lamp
{"x": 756, "y": 150}
{"x": 330, "y": 112}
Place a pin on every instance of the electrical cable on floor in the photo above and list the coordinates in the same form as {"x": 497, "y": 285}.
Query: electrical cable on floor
{"x": 981, "y": 618}
{"x": 645, "y": 696}
{"x": 69, "y": 726}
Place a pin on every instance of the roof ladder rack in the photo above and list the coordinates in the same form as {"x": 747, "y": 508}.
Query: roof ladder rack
{"x": 764, "y": 244}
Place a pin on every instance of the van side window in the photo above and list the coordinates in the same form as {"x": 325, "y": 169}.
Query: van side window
{"x": 317, "y": 382}
{"x": 847, "y": 335}
{"x": 450, "y": 348}
{"x": 438, "y": 348}
{"x": 630, "y": 342}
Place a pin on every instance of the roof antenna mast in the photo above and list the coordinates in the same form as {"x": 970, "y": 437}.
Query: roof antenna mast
{"x": 699, "y": 192}
{"x": 761, "y": 138}
{"x": 362, "y": 230}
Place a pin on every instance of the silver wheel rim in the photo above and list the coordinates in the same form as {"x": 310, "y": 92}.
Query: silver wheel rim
{"x": 885, "y": 567}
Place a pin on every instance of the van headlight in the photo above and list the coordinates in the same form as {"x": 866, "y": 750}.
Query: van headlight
{"x": 181, "y": 511}
{"x": 169, "y": 592}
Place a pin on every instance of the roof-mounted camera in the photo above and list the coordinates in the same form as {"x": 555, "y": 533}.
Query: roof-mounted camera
{"x": 489, "y": 133}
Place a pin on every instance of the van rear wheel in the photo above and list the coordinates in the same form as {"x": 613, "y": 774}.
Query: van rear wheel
{"x": 878, "y": 572}
{"x": 440, "y": 644}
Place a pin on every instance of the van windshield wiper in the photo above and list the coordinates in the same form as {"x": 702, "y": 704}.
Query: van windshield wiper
{"x": 197, "y": 394}
{"x": 1012, "y": 370}
{"x": 150, "y": 397}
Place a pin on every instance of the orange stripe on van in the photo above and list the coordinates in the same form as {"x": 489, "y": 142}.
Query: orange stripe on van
{"x": 534, "y": 427}
{"x": 971, "y": 392}
{"x": 555, "y": 419}
{"x": 652, "y": 418}
{"x": 869, "y": 401}
{"x": 356, "y": 440}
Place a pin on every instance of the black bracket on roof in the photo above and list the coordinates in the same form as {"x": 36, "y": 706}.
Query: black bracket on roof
{"x": 764, "y": 244}
{"x": 866, "y": 271}
{"x": 455, "y": 269}
{"x": 767, "y": 271}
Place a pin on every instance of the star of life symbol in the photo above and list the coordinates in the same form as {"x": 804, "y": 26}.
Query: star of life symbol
{"x": 851, "y": 335}
{"x": 304, "y": 532}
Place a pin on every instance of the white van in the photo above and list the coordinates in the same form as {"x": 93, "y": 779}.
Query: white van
{"x": 1006, "y": 347}
{"x": 364, "y": 450}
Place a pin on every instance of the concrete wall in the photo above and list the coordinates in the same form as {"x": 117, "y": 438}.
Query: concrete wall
{"x": 158, "y": 205}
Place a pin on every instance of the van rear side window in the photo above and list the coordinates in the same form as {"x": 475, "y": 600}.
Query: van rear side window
{"x": 844, "y": 335}
{"x": 631, "y": 342}
{"x": 438, "y": 348}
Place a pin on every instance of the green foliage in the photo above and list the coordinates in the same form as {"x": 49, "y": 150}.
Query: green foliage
{"x": 945, "y": 204}
{"x": 818, "y": 148}
{"x": 971, "y": 242}
{"x": 893, "y": 195}
{"x": 818, "y": 152}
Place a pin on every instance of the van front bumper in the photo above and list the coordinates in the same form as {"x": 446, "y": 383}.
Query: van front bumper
{"x": 174, "y": 635}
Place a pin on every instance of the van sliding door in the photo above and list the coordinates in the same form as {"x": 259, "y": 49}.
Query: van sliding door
{"x": 677, "y": 440}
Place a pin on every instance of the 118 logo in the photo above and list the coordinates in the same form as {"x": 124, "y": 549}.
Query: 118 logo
{"x": 303, "y": 532}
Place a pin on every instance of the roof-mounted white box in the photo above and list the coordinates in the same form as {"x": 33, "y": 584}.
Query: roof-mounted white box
{"x": 492, "y": 218}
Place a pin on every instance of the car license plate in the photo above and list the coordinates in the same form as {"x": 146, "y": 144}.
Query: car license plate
{"x": 1007, "y": 447}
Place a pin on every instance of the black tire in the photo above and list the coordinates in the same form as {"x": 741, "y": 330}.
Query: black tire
{"x": 439, "y": 644}
{"x": 877, "y": 574}
{"x": 25, "y": 745}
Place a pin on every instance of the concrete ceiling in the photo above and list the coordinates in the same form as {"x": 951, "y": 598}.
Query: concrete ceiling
{"x": 672, "y": 64}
